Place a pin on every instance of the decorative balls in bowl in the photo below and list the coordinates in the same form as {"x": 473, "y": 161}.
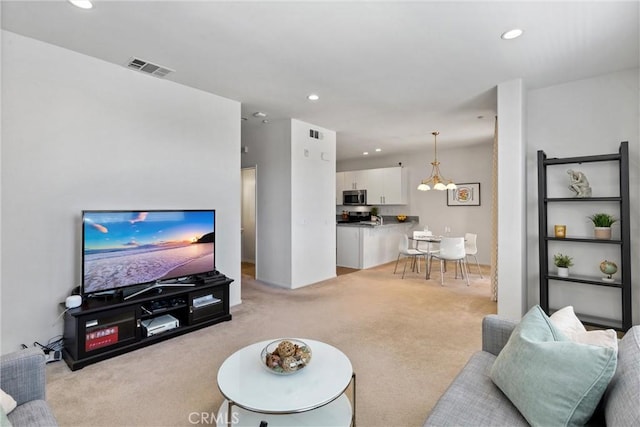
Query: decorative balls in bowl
{"x": 285, "y": 356}
{"x": 401, "y": 218}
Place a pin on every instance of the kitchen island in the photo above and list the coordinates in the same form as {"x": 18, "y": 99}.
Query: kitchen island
{"x": 364, "y": 245}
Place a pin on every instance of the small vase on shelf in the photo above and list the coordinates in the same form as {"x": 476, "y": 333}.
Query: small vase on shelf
{"x": 563, "y": 262}
{"x": 602, "y": 223}
{"x": 602, "y": 233}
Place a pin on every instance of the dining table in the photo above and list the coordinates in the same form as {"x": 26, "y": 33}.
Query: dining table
{"x": 429, "y": 240}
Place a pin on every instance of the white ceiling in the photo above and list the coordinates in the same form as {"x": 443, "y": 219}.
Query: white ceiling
{"x": 388, "y": 73}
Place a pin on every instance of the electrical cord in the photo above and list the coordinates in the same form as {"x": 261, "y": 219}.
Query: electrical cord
{"x": 61, "y": 314}
{"x": 56, "y": 343}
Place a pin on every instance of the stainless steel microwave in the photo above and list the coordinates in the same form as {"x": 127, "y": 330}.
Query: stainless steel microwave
{"x": 354, "y": 197}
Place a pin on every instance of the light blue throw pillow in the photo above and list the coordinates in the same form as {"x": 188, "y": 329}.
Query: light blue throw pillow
{"x": 551, "y": 380}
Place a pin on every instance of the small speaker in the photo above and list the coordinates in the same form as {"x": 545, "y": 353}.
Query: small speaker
{"x": 73, "y": 301}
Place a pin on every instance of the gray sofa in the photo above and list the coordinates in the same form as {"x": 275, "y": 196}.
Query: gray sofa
{"x": 473, "y": 399}
{"x": 22, "y": 376}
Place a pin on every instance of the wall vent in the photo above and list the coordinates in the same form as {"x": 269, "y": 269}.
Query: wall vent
{"x": 148, "y": 67}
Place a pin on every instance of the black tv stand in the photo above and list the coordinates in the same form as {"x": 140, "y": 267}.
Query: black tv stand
{"x": 156, "y": 286}
{"x": 102, "y": 328}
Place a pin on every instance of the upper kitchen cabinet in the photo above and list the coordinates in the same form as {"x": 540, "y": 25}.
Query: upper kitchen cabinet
{"x": 356, "y": 180}
{"x": 385, "y": 186}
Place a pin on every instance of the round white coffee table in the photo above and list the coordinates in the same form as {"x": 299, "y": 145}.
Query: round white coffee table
{"x": 312, "y": 396}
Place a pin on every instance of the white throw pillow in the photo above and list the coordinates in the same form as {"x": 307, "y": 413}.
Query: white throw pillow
{"x": 8, "y": 403}
{"x": 566, "y": 320}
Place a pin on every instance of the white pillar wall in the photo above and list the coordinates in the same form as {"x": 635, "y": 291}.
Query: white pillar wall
{"x": 295, "y": 201}
{"x": 512, "y": 250}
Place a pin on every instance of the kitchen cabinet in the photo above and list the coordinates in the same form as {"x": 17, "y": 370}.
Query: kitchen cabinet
{"x": 385, "y": 186}
{"x": 380, "y": 244}
{"x": 349, "y": 245}
{"x": 356, "y": 180}
{"x": 617, "y": 249}
{"x": 364, "y": 246}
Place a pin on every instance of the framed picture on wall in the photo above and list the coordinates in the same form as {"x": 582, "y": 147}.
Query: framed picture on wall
{"x": 467, "y": 194}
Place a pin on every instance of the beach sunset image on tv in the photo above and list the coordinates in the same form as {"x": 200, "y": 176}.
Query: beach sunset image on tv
{"x": 129, "y": 248}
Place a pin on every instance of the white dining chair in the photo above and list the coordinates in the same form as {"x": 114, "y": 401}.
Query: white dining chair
{"x": 471, "y": 248}
{"x": 451, "y": 249}
{"x": 408, "y": 253}
{"x": 430, "y": 246}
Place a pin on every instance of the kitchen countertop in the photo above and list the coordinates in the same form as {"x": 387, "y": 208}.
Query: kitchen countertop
{"x": 370, "y": 225}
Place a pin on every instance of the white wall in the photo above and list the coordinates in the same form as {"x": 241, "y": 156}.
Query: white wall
{"x": 468, "y": 164}
{"x": 1, "y": 186}
{"x": 512, "y": 253}
{"x": 585, "y": 117}
{"x": 296, "y": 200}
{"x": 269, "y": 148}
{"x": 79, "y": 133}
{"x": 313, "y": 195}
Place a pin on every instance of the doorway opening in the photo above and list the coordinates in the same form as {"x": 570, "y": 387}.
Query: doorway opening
{"x": 248, "y": 225}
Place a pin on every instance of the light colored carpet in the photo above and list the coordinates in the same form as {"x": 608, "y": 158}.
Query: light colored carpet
{"x": 406, "y": 339}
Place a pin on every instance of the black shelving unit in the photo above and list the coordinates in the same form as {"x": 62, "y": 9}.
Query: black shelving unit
{"x": 624, "y": 243}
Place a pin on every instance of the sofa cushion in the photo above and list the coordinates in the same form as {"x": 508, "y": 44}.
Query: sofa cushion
{"x": 623, "y": 394}
{"x": 35, "y": 413}
{"x": 550, "y": 379}
{"x": 473, "y": 399}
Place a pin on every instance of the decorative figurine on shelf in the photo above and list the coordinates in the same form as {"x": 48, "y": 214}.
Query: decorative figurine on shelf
{"x": 609, "y": 268}
{"x": 579, "y": 183}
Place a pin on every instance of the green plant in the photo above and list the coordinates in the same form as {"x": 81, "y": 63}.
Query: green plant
{"x": 602, "y": 219}
{"x": 374, "y": 211}
{"x": 561, "y": 260}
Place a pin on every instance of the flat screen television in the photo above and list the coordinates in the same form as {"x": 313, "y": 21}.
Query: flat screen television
{"x": 122, "y": 249}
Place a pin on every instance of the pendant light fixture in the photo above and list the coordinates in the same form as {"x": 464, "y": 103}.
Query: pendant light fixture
{"x": 436, "y": 180}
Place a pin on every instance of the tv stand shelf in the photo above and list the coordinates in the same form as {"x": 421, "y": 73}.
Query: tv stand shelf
{"x": 107, "y": 326}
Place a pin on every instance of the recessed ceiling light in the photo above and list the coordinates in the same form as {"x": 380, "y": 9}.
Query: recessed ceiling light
{"x": 244, "y": 118}
{"x": 265, "y": 121}
{"x": 366, "y": 153}
{"x": 512, "y": 34}
{"x": 82, "y": 4}
{"x": 259, "y": 114}
{"x": 378, "y": 150}
{"x": 313, "y": 97}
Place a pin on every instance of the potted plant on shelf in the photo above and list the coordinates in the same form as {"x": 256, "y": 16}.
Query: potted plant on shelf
{"x": 563, "y": 262}
{"x": 602, "y": 223}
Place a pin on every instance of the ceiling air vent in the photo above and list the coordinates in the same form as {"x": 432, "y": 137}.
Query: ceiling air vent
{"x": 148, "y": 67}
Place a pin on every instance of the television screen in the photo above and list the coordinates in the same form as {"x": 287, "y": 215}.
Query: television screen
{"x": 125, "y": 248}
